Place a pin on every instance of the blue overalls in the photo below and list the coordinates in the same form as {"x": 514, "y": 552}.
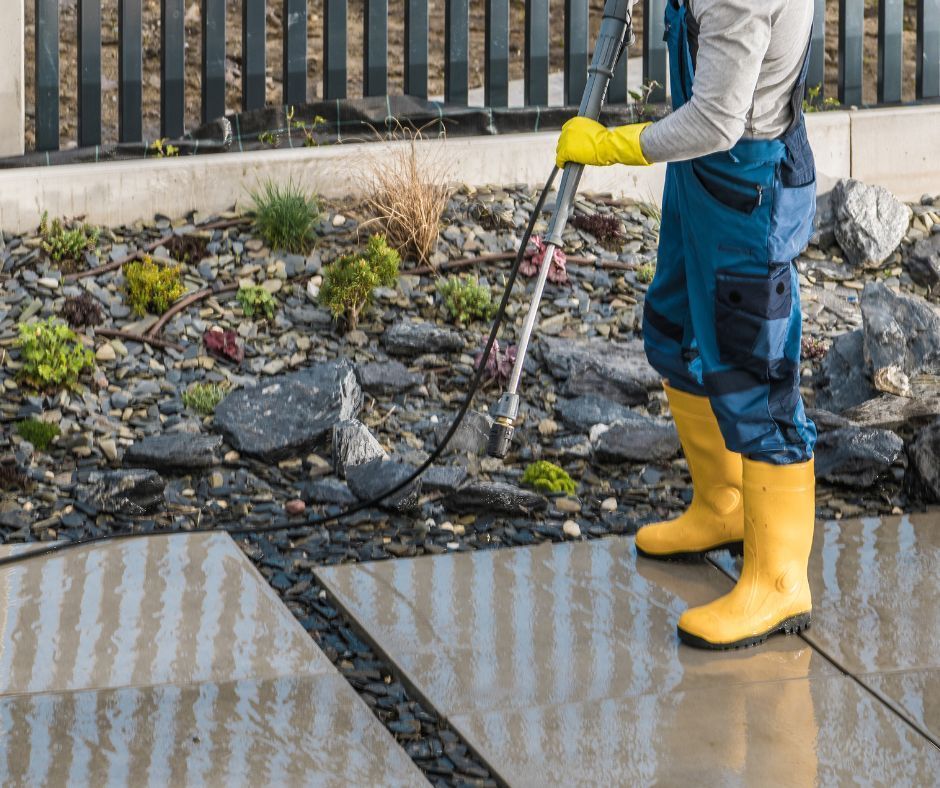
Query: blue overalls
{"x": 722, "y": 316}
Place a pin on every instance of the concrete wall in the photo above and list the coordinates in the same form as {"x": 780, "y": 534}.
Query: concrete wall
{"x": 898, "y": 148}
{"x": 12, "y": 85}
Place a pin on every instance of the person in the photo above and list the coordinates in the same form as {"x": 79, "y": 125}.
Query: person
{"x": 722, "y": 320}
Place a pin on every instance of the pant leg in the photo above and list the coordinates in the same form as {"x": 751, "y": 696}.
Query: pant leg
{"x": 667, "y": 324}
{"x": 744, "y": 305}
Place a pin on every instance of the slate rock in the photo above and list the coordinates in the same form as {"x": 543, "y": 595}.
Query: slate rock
{"x": 870, "y": 222}
{"x": 844, "y": 381}
{"x": 924, "y": 455}
{"x": 854, "y": 456}
{"x": 826, "y": 420}
{"x": 616, "y": 370}
{"x": 890, "y": 412}
{"x": 289, "y": 414}
{"x": 127, "y": 491}
{"x": 331, "y": 491}
{"x": 384, "y": 378}
{"x": 901, "y": 331}
{"x": 639, "y": 440}
{"x": 481, "y": 496}
{"x": 373, "y": 478}
{"x": 415, "y": 339}
{"x": 471, "y": 436}
{"x": 923, "y": 264}
{"x": 443, "y": 478}
{"x": 174, "y": 451}
{"x": 582, "y": 413}
{"x": 353, "y": 444}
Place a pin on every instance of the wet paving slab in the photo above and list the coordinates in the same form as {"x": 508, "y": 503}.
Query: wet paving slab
{"x": 560, "y": 664}
{"x": 169, "y": 661}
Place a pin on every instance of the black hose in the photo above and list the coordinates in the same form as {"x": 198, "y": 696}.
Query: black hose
{"x": 283, "y": 525}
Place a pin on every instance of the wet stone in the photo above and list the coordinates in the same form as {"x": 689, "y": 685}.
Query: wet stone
{"x": 291, "y": 413}
{"x": 844, "y": 381}
{"x": 373, "y": 478}
{"x": 856, "y": 457}
{"x": 484, "y": 496}
{"x": 445, "y": 478}
{"x": 924, "y": 454}
{"x": 353, "y": 444}
{"x": 329, "y": 491}
{"x": 415, "y": 339}
{"x": 387, "y": 378}
{"x": 175, "y": 451}
{"x": 131, "y": 492}
{"x": 471, "y": 436}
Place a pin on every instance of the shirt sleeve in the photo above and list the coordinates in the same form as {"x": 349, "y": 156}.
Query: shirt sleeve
{"x": 733, "y": 38}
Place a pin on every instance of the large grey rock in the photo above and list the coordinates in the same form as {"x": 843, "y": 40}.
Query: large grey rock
{"x": 890, "y": 412}
{"x": 616, "y": 370}
{"x": 639, "y": 440}
{"x": 383, "y": 378}
{"x": 500, "y": 497}
{"x": 353, "y": 444}
{"x": 923, "y": 264}
{"x": 870, "y": 222}
{"x": 326, "y": 491}
{"x": 901, "y": 331}
{"x": 371, "y": 479}
{"x": 471, "y": 436}
{"x": 174, "y": 451}
{"x": 414, "y": 339}
{"x": 924, "y": 455}
{"x": 127, "y": 491}
{"x": 855, "y": 456}
{"x": 844, "y": 378}
{"x": 582, "y": 413}
{"x": 443, "y": 478}
{"x": 289, "y": 414}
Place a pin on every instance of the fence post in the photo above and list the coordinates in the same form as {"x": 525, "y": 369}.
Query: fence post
{"x": 12, "y": 78}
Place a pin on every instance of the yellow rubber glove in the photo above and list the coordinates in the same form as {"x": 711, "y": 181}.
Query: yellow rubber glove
{"x": 586, "y": 141}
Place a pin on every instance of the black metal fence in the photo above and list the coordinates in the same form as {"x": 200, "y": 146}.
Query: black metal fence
{"x": 576, "y": 45}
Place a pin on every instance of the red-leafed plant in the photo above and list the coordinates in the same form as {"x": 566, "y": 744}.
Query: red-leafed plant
{"x": 499, "y": 363}
{"x": 558, "y": 273}
{"x": 224, "y": 344}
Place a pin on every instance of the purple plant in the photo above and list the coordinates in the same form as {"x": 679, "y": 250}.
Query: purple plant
{"x": 224, "y": 344}
{"x": 558, "y": 273}
{"x": 604, "y": 227}
{"x": 813, "y": 349}
{"x": 499, "y": 363}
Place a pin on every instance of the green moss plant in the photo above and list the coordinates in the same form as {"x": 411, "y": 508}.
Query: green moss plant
{"x": 349, "y": 282}
{"x": 256, "y": 300}
{"x": 203, "y": 397}
{"x": 152, "y": 287}
{"x": 285, "y": 216}
{"x": 465, "y": 299}
{"x": 547, "y": 476}
{"x": 39, "y": 433}
{"x": 645, "y": 273}
{"x": 66, "y": 246}
{"x": 52, "y": 355}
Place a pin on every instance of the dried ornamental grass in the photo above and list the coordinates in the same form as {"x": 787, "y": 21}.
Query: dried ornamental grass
{"x": 407, "y": 191}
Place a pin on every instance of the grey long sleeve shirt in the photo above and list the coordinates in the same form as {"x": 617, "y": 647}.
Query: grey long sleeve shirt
{"x": 749, "y": 57}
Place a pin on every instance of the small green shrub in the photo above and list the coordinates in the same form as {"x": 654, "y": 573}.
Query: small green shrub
{"x": 152, "y": 287}
{"x": 256, "y": 300}
{"x": 285, "y": 217}
{"x": 547, "y": 476}
{"x": 814, "y": 101}
{"x": 39, "y": 433}
{"x": 161, "y": 148}
{"x": 349, "y": 281}
{"x": 66, "y": 245}
{"x": 203, "y": 397}
{"x": 466, "y": 299}
{"x": 52, "y": 354}
{"x": 645, "y": 273}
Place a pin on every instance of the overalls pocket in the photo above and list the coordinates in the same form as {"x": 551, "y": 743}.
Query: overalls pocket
{"x": 752, "y": 315}
{"x": 791, "y": 221}
{"x": 735, "y": 193}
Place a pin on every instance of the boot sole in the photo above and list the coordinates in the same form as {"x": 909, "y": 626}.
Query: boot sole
{"x": 735, "y": 548}
{"x": 789, "y": 626}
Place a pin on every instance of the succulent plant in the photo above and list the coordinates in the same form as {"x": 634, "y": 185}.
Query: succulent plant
{"x": 558, "y": 273}
{"x": 224, "y": 344}
{"x": 82, "y": 310}
{"x": 499, "y": 363}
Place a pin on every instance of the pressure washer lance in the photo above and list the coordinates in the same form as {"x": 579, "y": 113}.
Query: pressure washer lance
{"x": 615, "y": 36}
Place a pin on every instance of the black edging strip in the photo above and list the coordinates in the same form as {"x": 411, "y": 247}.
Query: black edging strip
{"x": 899, "y": 712}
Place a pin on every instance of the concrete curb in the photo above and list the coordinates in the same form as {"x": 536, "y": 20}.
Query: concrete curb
{"x": 897, "y": 148}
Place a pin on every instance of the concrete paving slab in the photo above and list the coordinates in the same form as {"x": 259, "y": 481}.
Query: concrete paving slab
{"x": 803, "y": 732}
{"x": 915, "y": 692}
{"x": 173, "y": 609}
{"x": 285, "y": 731}
{"x": 875, "y": 585}
{"x": 550, "y": 624}
{"x": 169, "y": 661}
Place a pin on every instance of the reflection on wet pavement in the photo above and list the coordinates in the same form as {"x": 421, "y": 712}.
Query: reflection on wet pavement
{"x": 560, "y": 663}
{"x": 169, "y": 661}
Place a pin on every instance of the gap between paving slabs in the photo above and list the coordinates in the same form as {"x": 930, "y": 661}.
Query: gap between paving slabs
{"x": 725, "y": 567}
{"x": 469, "y": 767}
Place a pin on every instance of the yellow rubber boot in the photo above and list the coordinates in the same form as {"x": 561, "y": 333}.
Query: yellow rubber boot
{"x": 715, "y": 518}
{"x": 773, "y": 592}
